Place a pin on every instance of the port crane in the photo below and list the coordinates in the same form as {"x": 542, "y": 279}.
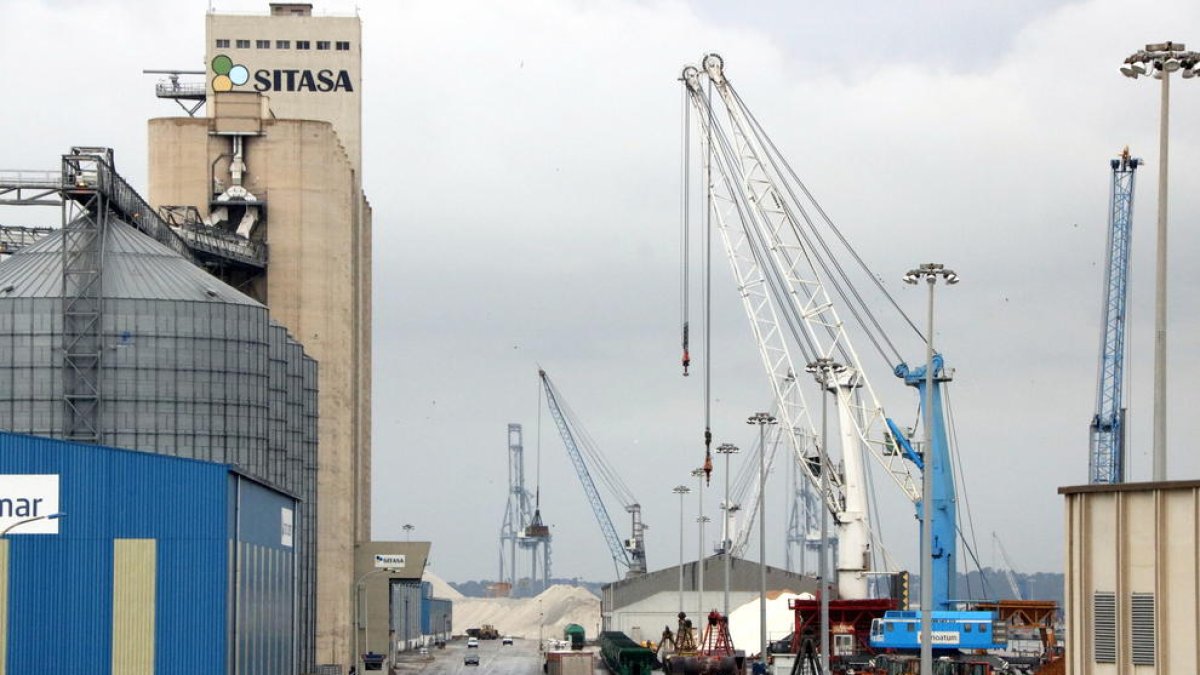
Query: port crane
{"x": 767, "y": 221}
{"x": 629, "y": 553}
{"x": 1106, "y": 463}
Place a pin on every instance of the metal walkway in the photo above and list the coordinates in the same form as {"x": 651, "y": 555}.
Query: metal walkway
{"x": 204, "y": 246}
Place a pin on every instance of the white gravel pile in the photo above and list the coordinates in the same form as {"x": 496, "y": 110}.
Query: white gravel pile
{"x": 743, "y": 621}
{"x": 556, "y": 607}
{"x": 441, "y": 589}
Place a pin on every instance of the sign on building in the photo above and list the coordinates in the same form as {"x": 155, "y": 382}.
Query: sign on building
{"x": 286, "y": 527}
{"x": 391, "y": 561}
{"x": 25, "y": 502}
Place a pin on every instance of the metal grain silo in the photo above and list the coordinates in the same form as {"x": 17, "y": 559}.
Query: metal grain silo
{"x": 190, "y": 367}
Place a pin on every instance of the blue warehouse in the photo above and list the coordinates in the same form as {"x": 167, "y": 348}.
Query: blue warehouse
{"x": 160, "y": 565}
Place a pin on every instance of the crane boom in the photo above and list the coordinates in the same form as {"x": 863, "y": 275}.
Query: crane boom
{"x": 630, "y": 554}
{"x": 781, "y": 264}
{"x": 788, "y": 307}
{"x": 1106, "y": 463}
{"x": 1009, "y": 573}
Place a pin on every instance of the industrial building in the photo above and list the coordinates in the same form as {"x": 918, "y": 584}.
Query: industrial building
{"x": 155, "y": 564}
{"x": 640, "y": 606}
{"x": 1133, "y": 578}
{"x": 108, "y": 336}
{"x": 394, "y": 609}
{"x": 277, "y": 159}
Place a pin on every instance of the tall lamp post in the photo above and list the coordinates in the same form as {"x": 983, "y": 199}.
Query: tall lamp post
{"x": 930, "y": 273}
{"x": 726, "y": 449}
{"x": 408, "y": 528}
{"x": 681, "y": 490}
{"x": 762, "y": 419}
{"x": 825, "y": 370}
{"x": 1163, "y": 58}
{"x": 700, "y": 520}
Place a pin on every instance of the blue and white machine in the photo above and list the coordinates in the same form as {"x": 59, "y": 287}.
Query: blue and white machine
{"x": 952, "y": 630}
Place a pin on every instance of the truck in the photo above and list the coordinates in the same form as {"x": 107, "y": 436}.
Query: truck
{"x": 488, "y": 632}
{"x": 569, "y": 663}
{"x": 575, "y": 635}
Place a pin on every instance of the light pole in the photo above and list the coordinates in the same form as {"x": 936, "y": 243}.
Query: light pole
{"x": 762, "y": 419}
{"x": 1163, "y": 58}
{"x": 700, "y": 520}
{"x": 726, "y": 449}
{"x": 360, "y": 600}
{"x": 408, "y": 528}
{"x": 930, "y": 273}
{"x": 824, "y": 369}
{"x": 681, "y": 490}
{"x": 19, "y": 523}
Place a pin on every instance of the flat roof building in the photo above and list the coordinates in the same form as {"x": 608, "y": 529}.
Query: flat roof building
{"x": 1133, "y": 578}
{"x": 158, "y": 564}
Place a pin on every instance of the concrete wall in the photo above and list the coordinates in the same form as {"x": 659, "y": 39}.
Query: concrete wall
{"x": 378, "y": 589}
{"x": 318, "y": 285}
{"x": 340, "y": 106}
{"x": 1136, "y": 542}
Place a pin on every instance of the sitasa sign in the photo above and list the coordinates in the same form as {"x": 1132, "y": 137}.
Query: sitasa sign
{"x": 228, "y": 75}
{"x": 26, "y": 501}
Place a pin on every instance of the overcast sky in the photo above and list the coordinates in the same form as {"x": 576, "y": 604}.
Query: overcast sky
{"x": 522, "y": 159}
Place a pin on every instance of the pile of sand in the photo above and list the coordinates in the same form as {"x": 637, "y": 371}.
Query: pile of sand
{"x": 550, "y": 612}
{"x": 744, "y": 620}
{"x": 441, "y": 589}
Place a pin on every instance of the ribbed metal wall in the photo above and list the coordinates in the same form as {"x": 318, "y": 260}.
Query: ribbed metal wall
{"x": 405, "y": 611}
{"x": 60, "y": 603}
{"x": 192, "y": 368}
{"x": 264, "y": 584}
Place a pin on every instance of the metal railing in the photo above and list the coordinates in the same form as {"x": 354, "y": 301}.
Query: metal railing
{"x": 16, "y": 237}
{"x": 91, "y": 172}
{"x": 169, "y": 89}
{"x": 30, "y": 179}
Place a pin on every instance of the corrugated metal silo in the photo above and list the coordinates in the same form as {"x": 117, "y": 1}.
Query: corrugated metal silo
{"x": 191, "y": 367}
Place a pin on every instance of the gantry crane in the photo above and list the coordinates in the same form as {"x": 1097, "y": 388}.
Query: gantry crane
{"x": 782, "y": 263}
{"x": 630, "y": 553}
{"x": 1106, "y": 463}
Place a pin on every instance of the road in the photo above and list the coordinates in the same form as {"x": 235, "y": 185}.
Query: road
{"x": 519, "y": 658}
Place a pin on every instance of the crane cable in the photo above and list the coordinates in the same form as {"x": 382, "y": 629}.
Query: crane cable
{"x": 708, "y": 463}
{"x": 774, "y": 158}
{"x": 960, "y": 479}
{"x": 685, "y": 231}
{"x": 828, "y": 221}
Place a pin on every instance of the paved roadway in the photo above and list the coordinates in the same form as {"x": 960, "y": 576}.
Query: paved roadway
{"x": 519, "y": 658}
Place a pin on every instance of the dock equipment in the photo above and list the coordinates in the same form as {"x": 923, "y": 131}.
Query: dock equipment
{"x": 792, "y": 267}
{"x": 631, "y": 553}
{"x": 1106, "y": 459}
{"x": 624, "y": 656}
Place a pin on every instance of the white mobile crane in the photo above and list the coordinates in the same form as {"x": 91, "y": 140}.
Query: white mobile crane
{"x": 782, "y": 262}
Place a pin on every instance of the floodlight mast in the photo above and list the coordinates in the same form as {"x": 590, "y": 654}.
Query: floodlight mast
{"x": 1163, "y": 58}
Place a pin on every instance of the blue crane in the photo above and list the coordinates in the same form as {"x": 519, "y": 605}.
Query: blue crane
{"x": 1106, "y": 463}
{"x": 630, "y": 553}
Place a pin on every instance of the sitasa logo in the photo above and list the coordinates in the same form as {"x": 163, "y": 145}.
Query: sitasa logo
{"x": 229, "y": 75}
